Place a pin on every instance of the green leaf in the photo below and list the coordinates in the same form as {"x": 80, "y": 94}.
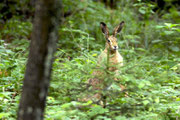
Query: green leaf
{"x": 4, "y": 115}
{"x": 168, "y": 32}
{"x": 141, "y": 85}
{"x": 142, "y": 10}
{"x": 174, "y": 48}
{"x": 141, "y": 49}
{"x": 170, "y": 25}
{"x": 97, "y": 110}
{"x": 157, "y": 100}
{"x": 115, "y": 87}
{"x": 120, "y": 118}
{"x": 145, "y": 102}
{"x": 156, "y": 41}
{"x": 159, "y": 26}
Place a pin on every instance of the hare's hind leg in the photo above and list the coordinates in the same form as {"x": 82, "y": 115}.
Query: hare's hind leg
{"x": 94, "y": 86}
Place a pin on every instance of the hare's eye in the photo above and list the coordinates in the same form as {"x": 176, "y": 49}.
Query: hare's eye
{"x": 108, "y": 40}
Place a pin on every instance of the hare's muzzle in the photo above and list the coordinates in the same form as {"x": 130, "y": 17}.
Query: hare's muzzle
{"x": 115, "y": 47}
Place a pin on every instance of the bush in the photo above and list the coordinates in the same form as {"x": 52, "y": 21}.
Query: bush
{"x": 149, "y": 45}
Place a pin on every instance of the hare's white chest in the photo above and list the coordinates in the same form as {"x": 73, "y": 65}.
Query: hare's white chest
{"x": 114, "y": 59}
{"x": 118, "y": 59}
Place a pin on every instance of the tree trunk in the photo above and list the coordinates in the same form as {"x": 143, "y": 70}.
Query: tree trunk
{"x": 38, "y": 70}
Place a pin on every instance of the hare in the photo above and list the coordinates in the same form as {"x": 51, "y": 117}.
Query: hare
{"x": 109, "y": 54}
{"x": 112, "y": 46}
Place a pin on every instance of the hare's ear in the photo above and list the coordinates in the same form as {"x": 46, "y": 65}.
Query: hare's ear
{"x": 104, "y": 29}
{"x": 118, "y": 28}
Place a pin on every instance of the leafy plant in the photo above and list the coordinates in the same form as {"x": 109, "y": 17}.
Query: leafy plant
{"x": 149, "y": 45}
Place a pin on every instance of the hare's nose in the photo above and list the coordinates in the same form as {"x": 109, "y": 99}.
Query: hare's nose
{"x": 115, "y": 47}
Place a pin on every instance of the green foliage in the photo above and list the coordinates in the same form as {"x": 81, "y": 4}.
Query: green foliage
{"x": 20, "y": 8}
{"x": 168, "y": 30}
{"x": 145, "y": 9}
{"x": 16, "y": 29}
{"x": 151, "y": 72}
{"x": 152, "y": 84}
{"x": 12, "y": 65}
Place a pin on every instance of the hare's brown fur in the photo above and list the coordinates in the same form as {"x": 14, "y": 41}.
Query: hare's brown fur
{"x": 115, "y": 59}
{"x": 114, "y": 56}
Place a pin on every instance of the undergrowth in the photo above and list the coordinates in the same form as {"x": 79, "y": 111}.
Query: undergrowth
{"x": 151, "y": 71}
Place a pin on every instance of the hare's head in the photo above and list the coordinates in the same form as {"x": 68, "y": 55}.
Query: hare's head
{"x": 111, "y": 40}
